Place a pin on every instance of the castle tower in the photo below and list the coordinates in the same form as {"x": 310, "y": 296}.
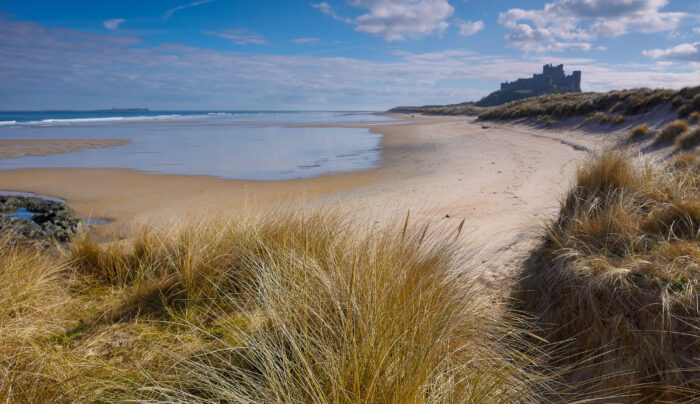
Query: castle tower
{"x": 576, "y": 80}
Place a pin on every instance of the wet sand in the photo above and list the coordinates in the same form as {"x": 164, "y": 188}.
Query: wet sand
{"x": 12, "y": 148}
{"x": 502, "y": 179}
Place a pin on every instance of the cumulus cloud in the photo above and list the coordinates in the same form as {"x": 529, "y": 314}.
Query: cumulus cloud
{"x": 113, "y": 24}
{"x": 169, "y": 13}
{"x": 687, "y": 51}
{"x": 43, "y": 68}
{"x": 584, "y": 21}
{"x": 396, "y": 20}
{"x": 240, "y": 36}
{"x": 468, "y": 28}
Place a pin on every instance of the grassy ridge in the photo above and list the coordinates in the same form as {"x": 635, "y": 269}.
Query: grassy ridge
{"x": 617, "y": 276}
{"x": 605, "y": 107}
{"x": 455, "y": 109}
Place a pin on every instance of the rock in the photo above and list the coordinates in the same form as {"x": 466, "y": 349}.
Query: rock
{"x": 51, "y": 220}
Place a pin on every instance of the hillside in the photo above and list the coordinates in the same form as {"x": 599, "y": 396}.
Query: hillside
{"x": 467, "y": 108}
{"x": 611, "y": 106}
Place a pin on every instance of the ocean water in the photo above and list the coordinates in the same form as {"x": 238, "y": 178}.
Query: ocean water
{"x": 251, "y": 145}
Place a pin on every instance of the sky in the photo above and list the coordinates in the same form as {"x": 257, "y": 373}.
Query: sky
{"x": 330, "y": 55}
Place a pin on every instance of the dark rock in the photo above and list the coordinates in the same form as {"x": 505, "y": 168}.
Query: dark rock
{"x": 51, "y": 220}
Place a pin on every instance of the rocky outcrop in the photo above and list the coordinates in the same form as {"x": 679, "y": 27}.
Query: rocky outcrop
{"x": 50, "y": 220}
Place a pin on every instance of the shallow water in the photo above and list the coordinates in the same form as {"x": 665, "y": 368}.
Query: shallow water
{"x": 240, "y": 145}
{"x": 21, "y": 214}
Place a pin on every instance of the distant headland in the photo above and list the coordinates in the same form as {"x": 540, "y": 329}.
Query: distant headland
{"x": 129, "y": 109}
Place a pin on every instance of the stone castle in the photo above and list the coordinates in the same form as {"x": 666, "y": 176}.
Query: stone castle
{"x": 552, "y": 80}
{"x": 551, "y": 77}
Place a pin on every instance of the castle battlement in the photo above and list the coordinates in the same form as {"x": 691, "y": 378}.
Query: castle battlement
{"x": 552, "y": 77}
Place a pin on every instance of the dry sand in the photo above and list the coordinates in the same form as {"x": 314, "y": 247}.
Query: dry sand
{"x": 504, "y": 180}
{"x": 12, "y": 148}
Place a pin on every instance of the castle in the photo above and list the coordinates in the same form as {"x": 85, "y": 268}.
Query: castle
{"x": 550, "y": 78}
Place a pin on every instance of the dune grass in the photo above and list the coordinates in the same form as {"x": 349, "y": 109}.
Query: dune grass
{"x": 467, "y": 108}
{"x": 596, "y": 105}
{"x": 281, "y": 308}
{"x": 34, "y": 302}
{"x": 688, "y": 140}
{"x": 319, "y": 307}
{"x": 618, "y": 119}
{"x": 616, "y": 277}
{"x": 670, "y": 132}
{"x": 639, "y": 131}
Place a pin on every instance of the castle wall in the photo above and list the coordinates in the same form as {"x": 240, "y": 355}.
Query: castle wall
{"x": 550, "y": 77}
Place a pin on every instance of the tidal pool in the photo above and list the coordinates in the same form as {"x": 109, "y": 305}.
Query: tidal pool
{"x": 239, "y": 145}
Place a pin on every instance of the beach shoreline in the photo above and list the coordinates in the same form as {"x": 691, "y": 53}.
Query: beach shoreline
{"x": 501, "y": 179}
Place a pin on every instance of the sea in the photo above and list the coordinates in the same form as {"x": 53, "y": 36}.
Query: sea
{"x": 246, "y": 145}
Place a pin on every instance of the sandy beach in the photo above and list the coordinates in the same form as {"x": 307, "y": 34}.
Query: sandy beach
{"x": 37, "y": 147}
{"x": 502, "y": 179}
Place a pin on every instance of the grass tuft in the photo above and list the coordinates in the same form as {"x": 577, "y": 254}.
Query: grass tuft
{"x": 688, "y": 140}
{"x": 618, "y": 119}
{"x": 670, "y": 132}
{"x": 639, "y": 131}
{"x": 347, "y": 317}
{"x": 694, "y": 117}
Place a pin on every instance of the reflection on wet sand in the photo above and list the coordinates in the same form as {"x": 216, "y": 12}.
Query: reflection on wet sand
{"x": 14, "y": 148}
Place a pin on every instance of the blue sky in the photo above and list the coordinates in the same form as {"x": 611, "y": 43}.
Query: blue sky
{"x": 333, "y": 54}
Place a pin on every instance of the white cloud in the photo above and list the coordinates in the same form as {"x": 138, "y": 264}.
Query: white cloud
{"x": 686, "y": 51}
{"x": 169, "y": 13}
{"x": 326, "y": 8}
{"x": 43, "y": 68}
{"x": 468, "y": 28}
{"x": 114, "y": 23}
{"x": 240, "y": 36}
{"x": 396, "y": 20}
{"x": 696, "y": 30}
{"x": 578, "y": 21}
{"x": 305, "y": 40}
{"x": 601, "y": 48}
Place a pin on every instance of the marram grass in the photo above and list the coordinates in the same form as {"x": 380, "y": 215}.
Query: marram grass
{"x": 281, "y": 308}
{"x": 316, "y": 307}
{"x": 616, "y": 278}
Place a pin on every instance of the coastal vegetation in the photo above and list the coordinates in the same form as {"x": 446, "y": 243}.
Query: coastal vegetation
{"x": 619, "y": 102}
{"x": 467, "y": 108}
{"x": 689, "y": 140}
{"x": 611, "y": 107}
{"x": 615, "y": 278}
{"x": 670, "y": 132}
{"x": 297, "y": 307}
{"x": 639, "y": 131}
{"x": 281, "y": 308}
